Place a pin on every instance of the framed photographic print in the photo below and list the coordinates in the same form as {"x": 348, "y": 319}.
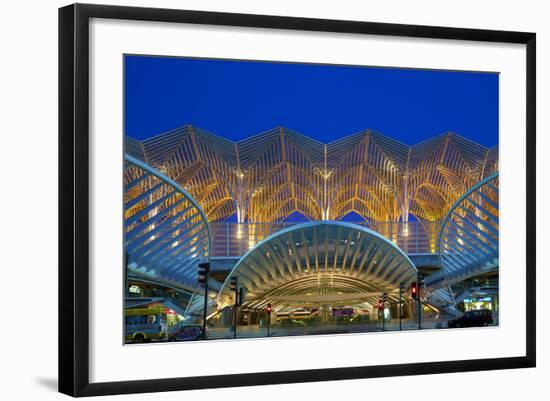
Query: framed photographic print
{"x": 344, "y": 199}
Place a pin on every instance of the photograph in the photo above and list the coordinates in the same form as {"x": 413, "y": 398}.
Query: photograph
{"x": 271, "y": 199}
{"x": 275, "y": 200}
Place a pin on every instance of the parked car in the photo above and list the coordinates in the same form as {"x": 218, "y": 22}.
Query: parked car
{"x": 187, "y": 332}
{"x": 473, "y": 318}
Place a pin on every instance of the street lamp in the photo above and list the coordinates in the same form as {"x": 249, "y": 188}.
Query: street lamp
{"x": 420, "y": 286}
{"x": 204, "y": 273}
{"x": 234, "y": 288}
{"x": 384, "y": 300}
{"x": 268, "y": 310}
{"x": 401, "y": 289}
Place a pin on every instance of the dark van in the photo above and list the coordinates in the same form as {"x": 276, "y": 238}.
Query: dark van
{"x": 473, "y": 318}
{"x": 187, "y": 332}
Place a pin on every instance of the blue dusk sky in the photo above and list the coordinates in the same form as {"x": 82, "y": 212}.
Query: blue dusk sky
{"x": 237, "y": 99}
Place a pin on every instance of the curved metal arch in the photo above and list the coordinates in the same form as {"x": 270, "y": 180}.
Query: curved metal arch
{"x": 468, "y": 239}
{"x": 332, "y": 252}
{"x": 306, "y": 292}
{"x": 340, "y": 187}
{"x": 166, "y": 230}
{"x": 278, "y": 206}
{"x": 366, "y": 218}
{"x": 342, "y": 207}
{"x": 418, "y": 203}
{"x": 431, "y": 187}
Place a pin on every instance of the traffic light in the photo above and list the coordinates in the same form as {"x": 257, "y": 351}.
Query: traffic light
{"x": 204, "y": 272}
{"x": 233, "y": 283}
{"x": 241, "y": 296}
{"x": 268, "y": 309}
{"x": 414, "y": 290}
{"x": 380, "y": 304}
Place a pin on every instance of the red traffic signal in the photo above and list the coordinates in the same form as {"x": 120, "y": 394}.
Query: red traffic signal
{"x": 380, "y": 304}
{"x": 414, "y": 290}
{"x": 268, "y": 309}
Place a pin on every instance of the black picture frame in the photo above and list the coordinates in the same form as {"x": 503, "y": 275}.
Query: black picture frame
{"x": 74, "y": 194}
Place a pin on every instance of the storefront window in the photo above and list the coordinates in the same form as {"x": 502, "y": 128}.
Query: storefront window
{"x": 477, "y": 303}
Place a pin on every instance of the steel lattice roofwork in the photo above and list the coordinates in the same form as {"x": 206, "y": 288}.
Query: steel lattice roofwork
{"x": 269, "y": 176}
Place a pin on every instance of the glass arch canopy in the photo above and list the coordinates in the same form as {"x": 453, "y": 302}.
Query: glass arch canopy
{"x": 320, "y": 262}
{"x": 468, "y": 240}
{"x": 166, "y": 231}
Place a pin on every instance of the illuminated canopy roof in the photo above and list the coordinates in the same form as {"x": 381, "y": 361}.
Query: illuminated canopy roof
{"x": 267, "y": 177}
{"x": 320, "y": 262}
{"x": 468, "y": 240}
{"x": 166, "y": 231}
